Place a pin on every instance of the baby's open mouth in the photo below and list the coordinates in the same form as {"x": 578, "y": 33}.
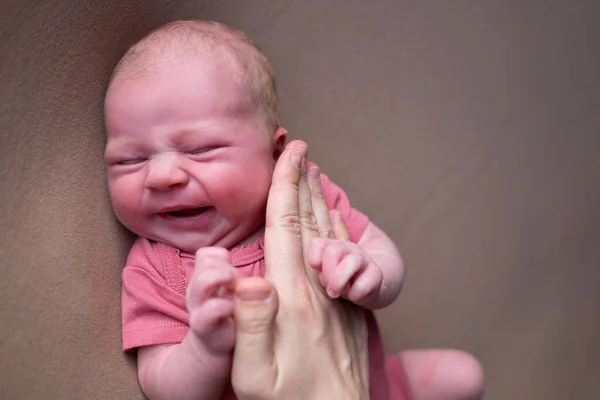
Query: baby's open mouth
{"x": 187, "y": 212}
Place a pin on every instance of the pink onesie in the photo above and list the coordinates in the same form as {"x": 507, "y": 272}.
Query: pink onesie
{"x": 155, "y": 279}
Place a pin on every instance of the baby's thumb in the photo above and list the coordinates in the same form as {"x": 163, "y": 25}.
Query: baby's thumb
{"x": 254, "y": 369}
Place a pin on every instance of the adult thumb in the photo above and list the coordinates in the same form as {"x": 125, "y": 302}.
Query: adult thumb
{"x": 254, "y": 368}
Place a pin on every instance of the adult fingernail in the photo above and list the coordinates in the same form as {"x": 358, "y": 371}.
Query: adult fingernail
{"x": 254, "y": 294}
{"x": 313, "y": 172}
{"x": 296, "y": 159}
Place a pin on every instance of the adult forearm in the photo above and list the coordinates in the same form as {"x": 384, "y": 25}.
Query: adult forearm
{"x": 185, "y": 371}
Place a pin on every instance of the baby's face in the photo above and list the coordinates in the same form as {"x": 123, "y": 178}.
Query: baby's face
{"x": 187, "y": 164}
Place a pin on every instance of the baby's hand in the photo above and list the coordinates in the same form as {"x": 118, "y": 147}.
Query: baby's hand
{"x": 346, "y": 270}
{"x": 210, "y": 300}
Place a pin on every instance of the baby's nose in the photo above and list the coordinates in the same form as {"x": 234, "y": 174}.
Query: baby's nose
{"x": 164, "y": 172}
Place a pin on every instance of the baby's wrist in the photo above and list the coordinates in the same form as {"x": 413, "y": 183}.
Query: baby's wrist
{"x": 204, "y": 355}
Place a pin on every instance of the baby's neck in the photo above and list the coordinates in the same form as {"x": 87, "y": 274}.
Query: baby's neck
{"x": 253, "y": 237}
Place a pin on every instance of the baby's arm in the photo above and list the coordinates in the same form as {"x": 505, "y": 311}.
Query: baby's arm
{"x": 369, "y": 273}
{"x": 181, "y": 371}
{"x": 197, "y": 368}
{"x": 384, "y": 254}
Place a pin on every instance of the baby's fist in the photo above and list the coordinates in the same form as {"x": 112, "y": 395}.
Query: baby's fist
{"x": 345, "y": 270}
{"x": 210, "y": 300}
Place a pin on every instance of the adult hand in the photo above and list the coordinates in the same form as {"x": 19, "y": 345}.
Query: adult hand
{"x": 293, "y": 341}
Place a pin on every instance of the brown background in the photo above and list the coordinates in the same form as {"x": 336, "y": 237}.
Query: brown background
{"x": 469, "y": 130}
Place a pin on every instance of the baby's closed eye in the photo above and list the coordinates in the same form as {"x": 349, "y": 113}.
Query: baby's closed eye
{"x": 204, "y": 153}
{"x": 132, "y": 161}
{"x": 202, "y": 150}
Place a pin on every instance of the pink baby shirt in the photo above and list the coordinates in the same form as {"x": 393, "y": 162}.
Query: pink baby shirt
{"x": 155, "y": 279}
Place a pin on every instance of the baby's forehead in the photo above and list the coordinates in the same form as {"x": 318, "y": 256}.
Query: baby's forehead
{"x": 161, "y": 51}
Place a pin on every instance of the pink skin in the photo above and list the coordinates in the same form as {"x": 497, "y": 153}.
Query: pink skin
{"x": 346, "y": 270}
{"x": 189, "y": 166}
{"x": 369, "y": 273}
{"x": 210, "y": 300}
{"x": 176, "y": 156}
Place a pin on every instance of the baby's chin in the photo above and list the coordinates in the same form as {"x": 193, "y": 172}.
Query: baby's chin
{"x": 191, "y": 243}
{"x": 227, "y": 236}
{"x": 187, "y": 246}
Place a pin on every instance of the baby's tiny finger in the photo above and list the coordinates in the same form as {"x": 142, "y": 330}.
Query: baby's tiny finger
{"x": 332, "y": 256}
{"x": 314, "y": 254}
{"x": 210, "y": 257}
{"x": 208, "y": 283}
{"x": 210, "y": 315}
{"x": 347, "y": 270}
{"x": 366, "y": 284}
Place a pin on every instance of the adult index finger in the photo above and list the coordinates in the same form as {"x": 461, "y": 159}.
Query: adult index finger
{"x": 318, "y": 202}
{"x": 308, "y": 221}
{"x": 283, "y": 241}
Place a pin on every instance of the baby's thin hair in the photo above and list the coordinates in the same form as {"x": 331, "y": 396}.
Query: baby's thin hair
{"x": 189, "y": 40}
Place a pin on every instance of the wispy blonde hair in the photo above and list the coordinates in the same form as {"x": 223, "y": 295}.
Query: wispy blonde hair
{"x": 183, "y": 40}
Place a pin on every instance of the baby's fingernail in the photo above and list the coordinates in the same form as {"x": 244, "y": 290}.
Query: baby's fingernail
{"x": 254, "y": 294}
{"x": 296, "y": 159}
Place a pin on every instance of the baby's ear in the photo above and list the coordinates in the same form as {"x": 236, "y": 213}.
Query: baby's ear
{"x": 279, "y": 138}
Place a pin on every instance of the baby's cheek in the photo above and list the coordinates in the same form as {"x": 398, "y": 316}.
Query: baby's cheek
{"x": 250, "y": 186}
{"x": 125, "y": 196}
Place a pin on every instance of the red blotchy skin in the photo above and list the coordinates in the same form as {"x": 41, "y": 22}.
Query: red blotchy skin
{"x": 183, "y": 139}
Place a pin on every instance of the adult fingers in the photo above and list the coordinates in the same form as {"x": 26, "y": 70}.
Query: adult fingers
{"x": 329, "y": 222}
{"x": 283, "y": 245}
{"x": 340, "y": 231}
{"x": 254, "y": 364}
{"x": 308, "y": 223}
{"x": 319, "y": 207}
{"x": 308, "y": 220}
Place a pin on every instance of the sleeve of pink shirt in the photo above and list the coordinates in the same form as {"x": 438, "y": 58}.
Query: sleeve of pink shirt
{"x": 153, "y": 290}
{"x": 153, "y": 296}
{"x": 335, "y": 198}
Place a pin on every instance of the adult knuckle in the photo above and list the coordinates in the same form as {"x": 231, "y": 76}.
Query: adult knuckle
{"x": 254, "y": 326}
{"x": 317, "y": 192}
{"x": 326, "y": 233}
{"x": 289, "y": 222}
{"x": 308, "y": 220}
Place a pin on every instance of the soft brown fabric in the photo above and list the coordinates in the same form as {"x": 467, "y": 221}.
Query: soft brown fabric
{"x": 468, "y": 130}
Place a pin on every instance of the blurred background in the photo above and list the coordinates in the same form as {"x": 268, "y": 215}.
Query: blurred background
{"x": 468, "y": 130}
